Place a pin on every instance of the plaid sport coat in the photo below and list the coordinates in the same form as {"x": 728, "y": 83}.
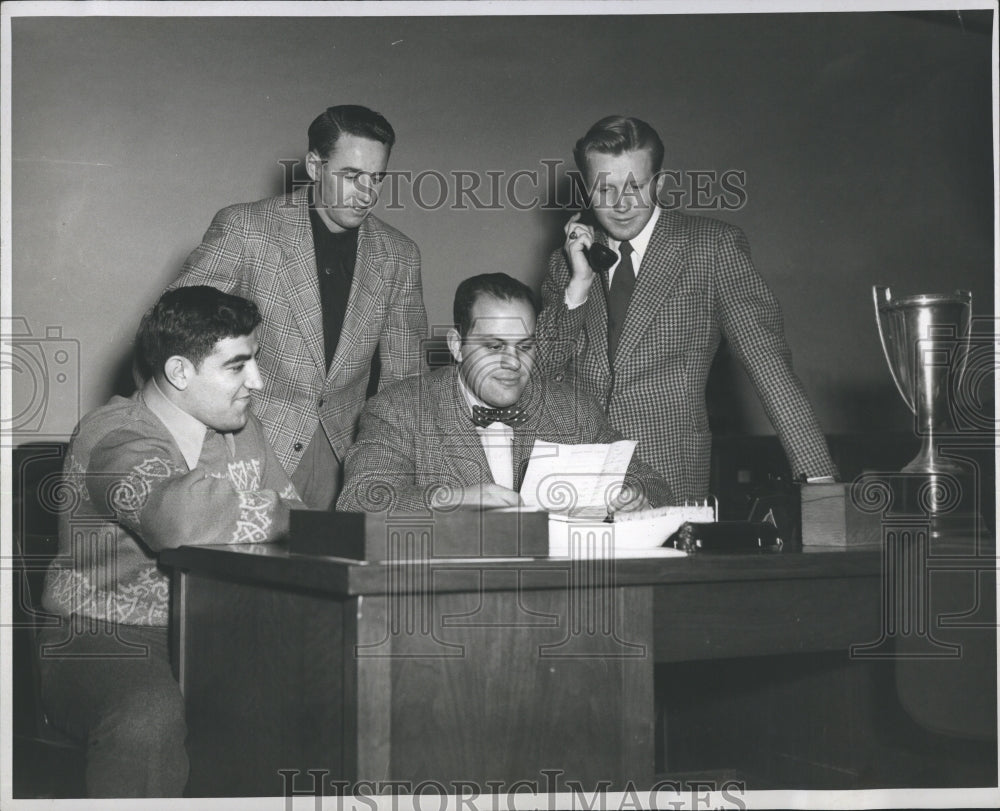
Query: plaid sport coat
{"x": 417, "y": 436}
{"x": 696, "y": 284}
{"x": 264, "y": 251}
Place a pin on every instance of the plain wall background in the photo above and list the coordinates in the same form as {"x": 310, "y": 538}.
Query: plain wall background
{"x": 865, "y": 139}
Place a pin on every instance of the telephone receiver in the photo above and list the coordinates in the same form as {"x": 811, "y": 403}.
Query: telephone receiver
{"x": 600, "y": 257}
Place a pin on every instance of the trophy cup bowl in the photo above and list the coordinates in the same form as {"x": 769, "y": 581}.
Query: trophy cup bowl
{"x": 925, "y": 339}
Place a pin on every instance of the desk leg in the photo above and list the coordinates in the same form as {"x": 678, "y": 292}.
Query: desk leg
{"x": 367, "y": 690}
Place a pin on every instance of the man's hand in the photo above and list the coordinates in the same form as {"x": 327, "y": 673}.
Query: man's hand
{"x": 489, "y": 495}
{"x": 579, "y": 238}
{"x": 628, "y": 499}
{"x": 475, "y": 496}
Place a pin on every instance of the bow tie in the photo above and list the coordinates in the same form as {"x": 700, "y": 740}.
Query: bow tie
{"x": 512, "y": 415}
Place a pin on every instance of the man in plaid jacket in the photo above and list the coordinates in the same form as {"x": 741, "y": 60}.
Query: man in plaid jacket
{"x": 461, "y": 436}
{"x": 642, "y": 341}
{"x": 338, "y": 289}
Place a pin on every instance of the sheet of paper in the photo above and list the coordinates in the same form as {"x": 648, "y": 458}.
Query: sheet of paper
{"x": 573, "y": 478}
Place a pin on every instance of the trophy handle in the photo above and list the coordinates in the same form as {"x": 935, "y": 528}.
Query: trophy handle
{"x": 882, "y": 296}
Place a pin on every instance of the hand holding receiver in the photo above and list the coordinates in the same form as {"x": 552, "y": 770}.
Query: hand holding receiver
{"x": 579, "y": 238}
{"x": 585, "y": 256}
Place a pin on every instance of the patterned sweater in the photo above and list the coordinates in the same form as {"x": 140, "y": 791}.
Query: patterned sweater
{"x": 142, "y": 475}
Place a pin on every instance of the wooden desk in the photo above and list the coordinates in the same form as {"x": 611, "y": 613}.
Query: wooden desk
{"x": 490, "y": 672}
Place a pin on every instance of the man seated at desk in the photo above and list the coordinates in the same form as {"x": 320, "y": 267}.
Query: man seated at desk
{"x": 462, "y": 435}
{"x": 181, "y": 461}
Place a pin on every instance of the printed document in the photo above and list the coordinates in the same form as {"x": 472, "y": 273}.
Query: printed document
{"x": 575, "y": 478}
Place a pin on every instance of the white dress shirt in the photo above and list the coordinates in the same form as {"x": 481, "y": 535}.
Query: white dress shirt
{"x": 188, "y": 432}
{"x": 639, "y": 244}
{"x": 497, "y": 439}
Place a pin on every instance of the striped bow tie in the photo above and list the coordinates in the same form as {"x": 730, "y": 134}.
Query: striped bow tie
{"x": 512, "y": 415}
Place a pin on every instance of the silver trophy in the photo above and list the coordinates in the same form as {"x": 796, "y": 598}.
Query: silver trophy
{"x": 925, "y": 339}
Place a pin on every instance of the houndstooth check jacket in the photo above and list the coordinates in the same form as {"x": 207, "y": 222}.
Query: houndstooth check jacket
{"x": 264, "y": 252}
{"x": 417, "y": 436}
{"x": 696, "y": 283}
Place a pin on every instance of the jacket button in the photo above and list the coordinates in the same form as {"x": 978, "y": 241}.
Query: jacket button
{"x": 559, "y": 377}
{"x": 297, "y": 446}
{"x": 321, "y": 401}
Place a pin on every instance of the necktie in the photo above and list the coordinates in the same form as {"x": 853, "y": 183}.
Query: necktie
{"x": 512, "y": 415}
{"x": 618, "y": 298}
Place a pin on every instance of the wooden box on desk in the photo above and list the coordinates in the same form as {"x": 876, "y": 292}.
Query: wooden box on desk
{"x": 829, "y": 518}
{"x": 378, "y": 537}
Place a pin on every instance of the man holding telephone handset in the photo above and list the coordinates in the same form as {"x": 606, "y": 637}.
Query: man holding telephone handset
{"x": 639, "y": 329}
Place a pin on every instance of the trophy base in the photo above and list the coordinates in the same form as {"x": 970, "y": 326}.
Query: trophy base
{"x": 929, "y": 463}
{"x": 947, "y": 500}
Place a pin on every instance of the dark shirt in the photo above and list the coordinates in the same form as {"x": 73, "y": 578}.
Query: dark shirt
{"x": 336, "y": 255}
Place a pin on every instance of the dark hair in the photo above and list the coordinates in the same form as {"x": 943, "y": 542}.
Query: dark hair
{"x": 498, "y": 285}
{"x": 189, "y": 321}
{"x": 352, "y": 119}
{"x": 615, "y": 135}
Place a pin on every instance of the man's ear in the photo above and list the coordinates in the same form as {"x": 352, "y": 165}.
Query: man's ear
{"x": 178, "y": 371}
{"x": 314, "y": 165}
{"x": 455, "y": 344}
{"x": 586, "y": 189}
{"x": 661, "y": 178}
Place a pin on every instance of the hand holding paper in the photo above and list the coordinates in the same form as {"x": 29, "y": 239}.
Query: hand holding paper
{"x": 575, "y": 478}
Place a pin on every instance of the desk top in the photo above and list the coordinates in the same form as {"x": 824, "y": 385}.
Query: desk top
{"x": 274, "y": 564}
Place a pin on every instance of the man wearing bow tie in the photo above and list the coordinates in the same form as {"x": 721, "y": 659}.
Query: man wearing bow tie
{"x": 462, "y": 435}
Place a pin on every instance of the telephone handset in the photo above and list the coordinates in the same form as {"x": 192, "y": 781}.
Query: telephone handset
{"x": 600, "y": 257}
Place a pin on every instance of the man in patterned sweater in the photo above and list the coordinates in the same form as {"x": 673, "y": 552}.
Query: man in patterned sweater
{"x": 641, "y": 336}
{"x": 181, "y": 461}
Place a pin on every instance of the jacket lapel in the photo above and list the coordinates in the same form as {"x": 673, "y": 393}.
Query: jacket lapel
{"x": 532, "y": 401}
{"x": 596, "y": 320}
{"x": 660, "y": 269}
{"x": 363, "y": 300}
{"x": 460, "y": 444}
{"x": 298, "y": 276}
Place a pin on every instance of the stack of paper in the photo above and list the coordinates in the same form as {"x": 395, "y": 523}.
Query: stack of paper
{"x": 644, "y": 529}
{"x": 580, "y": 537}
{"x": 576, "y": 484}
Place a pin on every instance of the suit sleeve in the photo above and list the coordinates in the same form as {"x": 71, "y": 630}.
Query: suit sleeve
{"x": 166, "y": 505}
{"x": 402, "y": 343}
{"x": 559, "y": 329}
{"x": 750, "y": 318}
{"x": 218, "y": 260}
{"x": 380, "y": 468}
